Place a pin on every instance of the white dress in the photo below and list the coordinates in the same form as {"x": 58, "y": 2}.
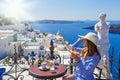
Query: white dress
{"x": 104, "y": 45}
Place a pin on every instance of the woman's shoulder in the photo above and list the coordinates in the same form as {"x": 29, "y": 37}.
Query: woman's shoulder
{"x": 93, "y": 58}
{"x": 97, "y": 56}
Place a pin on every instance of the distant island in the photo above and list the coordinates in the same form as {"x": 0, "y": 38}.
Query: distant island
{"x": 114, "y": 28}
{"x": 57, "y": 21}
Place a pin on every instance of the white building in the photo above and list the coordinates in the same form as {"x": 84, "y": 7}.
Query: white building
{"x": 7, "y": 36}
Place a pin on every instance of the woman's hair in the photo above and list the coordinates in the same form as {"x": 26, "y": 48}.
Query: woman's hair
{"x": 91, "y": 49}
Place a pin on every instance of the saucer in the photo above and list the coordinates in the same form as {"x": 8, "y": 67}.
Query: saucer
{"x": 44, "y": 68}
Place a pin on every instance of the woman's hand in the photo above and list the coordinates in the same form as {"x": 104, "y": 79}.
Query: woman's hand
{"x": 75, "y": 55}
{"x": 69, "y": 77}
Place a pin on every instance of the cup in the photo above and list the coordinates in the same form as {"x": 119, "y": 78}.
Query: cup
{"x": 43, "y": 64}
{"x": 52, "y": 68}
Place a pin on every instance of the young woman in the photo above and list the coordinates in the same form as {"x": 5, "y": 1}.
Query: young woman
{"x": 87, "y": 60}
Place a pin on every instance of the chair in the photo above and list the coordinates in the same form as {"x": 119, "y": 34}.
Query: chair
{"x": 57, "y": 57}
{"x": 31, "y": 58}
{"x": 2, "y": 70}
{"x": 98, "y": 74}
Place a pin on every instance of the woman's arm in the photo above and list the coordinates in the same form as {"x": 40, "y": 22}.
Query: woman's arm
{"x": 76, "y": 44}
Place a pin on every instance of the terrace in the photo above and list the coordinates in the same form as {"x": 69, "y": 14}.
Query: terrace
{"x": 19, "y": 68}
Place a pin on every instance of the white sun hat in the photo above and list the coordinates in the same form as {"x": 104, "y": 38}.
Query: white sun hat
{"x": 91, "y": 36}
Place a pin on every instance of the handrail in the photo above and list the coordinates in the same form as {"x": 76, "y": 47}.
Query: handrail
{"x": 3, "y": 59}
{"x": 115, "y": 63}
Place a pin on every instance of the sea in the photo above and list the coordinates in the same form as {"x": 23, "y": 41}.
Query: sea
{"x": 70, "y": 32}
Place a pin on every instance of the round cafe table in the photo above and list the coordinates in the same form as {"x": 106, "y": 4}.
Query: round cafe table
{"x": 60, "y": 70}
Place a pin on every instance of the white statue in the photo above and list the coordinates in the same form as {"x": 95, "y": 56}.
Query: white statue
{"x": 102, "y": 28}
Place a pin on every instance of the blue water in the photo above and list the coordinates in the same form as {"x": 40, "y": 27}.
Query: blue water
{"x": 32, "y": 43}
{"x": 71, "y": 31}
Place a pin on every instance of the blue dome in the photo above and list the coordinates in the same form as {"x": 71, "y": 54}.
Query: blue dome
{"x": 41, "y": 47}
{"x": 32, "y": 53}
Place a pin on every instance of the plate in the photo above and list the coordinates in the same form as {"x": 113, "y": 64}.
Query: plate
{"x": 44, "y": 68}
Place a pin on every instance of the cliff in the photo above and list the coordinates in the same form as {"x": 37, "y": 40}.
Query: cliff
{"x": 114, "y": 28}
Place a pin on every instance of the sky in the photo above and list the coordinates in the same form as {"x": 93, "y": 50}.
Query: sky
{"x": 60, "y": 9}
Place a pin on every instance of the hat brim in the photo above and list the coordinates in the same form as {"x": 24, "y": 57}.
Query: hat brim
{"x": 84, "y": 37}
